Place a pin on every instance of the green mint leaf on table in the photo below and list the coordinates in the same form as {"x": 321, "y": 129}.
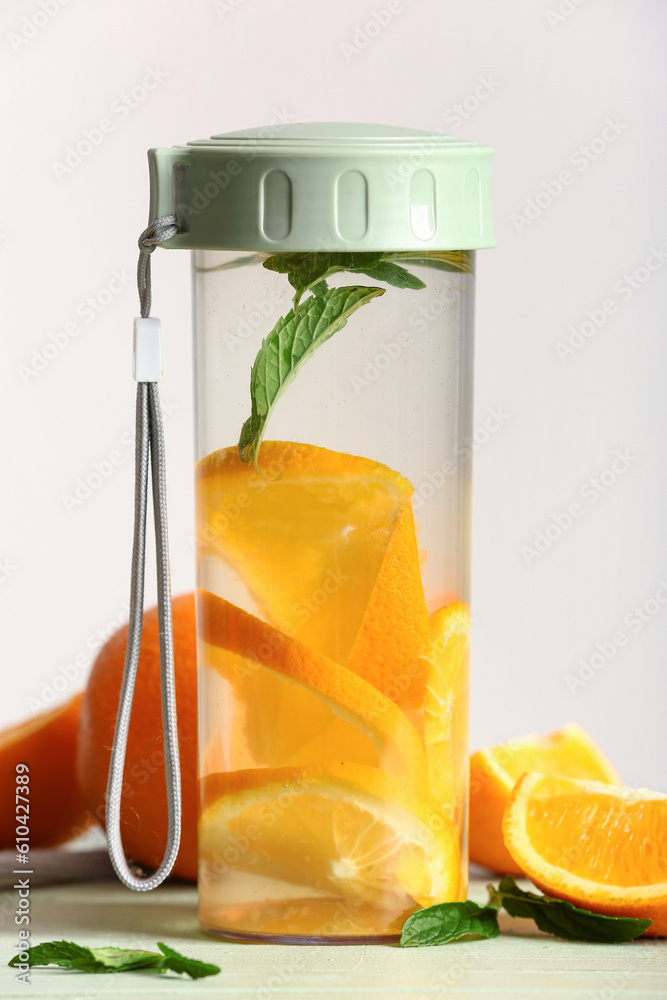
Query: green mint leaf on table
{"x": 124, "y": 959}
{"x": 190, "y": 966}
{"x": 68, "y": 955}
{"x": 564, "y": 919}
{"x": 293, "y": 340}
{"x": 451, "y": 921}
{"x": 63, "y": 953}
{"x": 446, "y": 922}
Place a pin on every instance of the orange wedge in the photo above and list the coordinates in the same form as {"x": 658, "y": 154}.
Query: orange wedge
{"x": 599, "y": 846}
{"x": 567, "y": 752}
{"x": 346, "y": 832}
{"x": 394, "y": 634}
{"x": 323, "y": 546}
{"x": 306, "y": 536}
{"x": 446, "y": 709}
{"x": 313, "y": 692}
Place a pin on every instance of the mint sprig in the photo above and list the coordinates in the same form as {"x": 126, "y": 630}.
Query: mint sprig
{"x": 293, "y": 340}
{"x": 68, "y": 955}
{"x": 306, "y": 271}
{"x": 447, "y": 922}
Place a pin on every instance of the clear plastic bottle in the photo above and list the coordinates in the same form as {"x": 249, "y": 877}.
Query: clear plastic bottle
{"x": 333, "y": 385}
{"x": 332, "y": 607}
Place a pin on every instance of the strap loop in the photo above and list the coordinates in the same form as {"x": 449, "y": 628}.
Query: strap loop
{"x": 149, "y": 449}
{"x": 158, "y": 232}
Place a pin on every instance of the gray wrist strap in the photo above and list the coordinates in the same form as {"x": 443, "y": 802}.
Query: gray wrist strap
{"x": 149, "y": 446}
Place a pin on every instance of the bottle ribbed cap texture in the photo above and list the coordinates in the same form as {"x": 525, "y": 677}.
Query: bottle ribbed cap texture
{"x": 325, "y": 186}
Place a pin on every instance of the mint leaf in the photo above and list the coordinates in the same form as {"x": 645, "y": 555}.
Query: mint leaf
{"x": 303, "y": 268}
{"x": 125, "y": 959}
{"x": 286, "y": 348}
{"x": 564, "y": 919}
{"x": 306, "y": 271}
{"x": 495, "y": 897}
{"x": 392, "y": 274}
{"x": 293, "y": 340}
{"x": 444, "y": 260}
{"x": 189, "y": 966}
{"x": 449, "y": 922}
{"x": 319, "y": 288}
{"x": 68, "y": 955}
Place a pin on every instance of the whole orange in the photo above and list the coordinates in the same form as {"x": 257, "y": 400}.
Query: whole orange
{"x": 144, "y": 802}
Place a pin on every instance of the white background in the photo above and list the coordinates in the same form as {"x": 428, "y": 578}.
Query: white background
{"x": 552, "y": 82}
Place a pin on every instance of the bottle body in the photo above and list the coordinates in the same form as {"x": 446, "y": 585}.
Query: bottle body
{"x": 332, "y": 591}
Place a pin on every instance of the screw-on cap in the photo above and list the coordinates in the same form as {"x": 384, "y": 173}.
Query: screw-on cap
{"x": 325, "y": 186}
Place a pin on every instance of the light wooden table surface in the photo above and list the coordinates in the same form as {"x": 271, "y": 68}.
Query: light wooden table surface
{"x": 519, "y": 965}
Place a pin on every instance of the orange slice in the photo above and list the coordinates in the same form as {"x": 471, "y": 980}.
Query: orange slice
{"x": 306, "y": 537}
{"x": 342, "y": 831}
{"x": 54, "y": 810}
{"x": 594, "y": 844}
{"x": 446, "y": 709}
{"x": 323, "y": 545}
{"x": 394, "y": 634}
{"x": 314, "y": 692}
{"x": 568, "y": 752}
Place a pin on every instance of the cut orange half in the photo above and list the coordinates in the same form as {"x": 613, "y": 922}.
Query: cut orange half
{"x": 342, "y": 831}
{"x": 291, "y": 695}
{"x": 568, "y": 752}
{"x": 599, "y": 846}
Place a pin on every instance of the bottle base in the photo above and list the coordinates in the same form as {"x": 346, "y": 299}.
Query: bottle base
{"x": 306, "y": 920}
{"x": 250, "y": 937}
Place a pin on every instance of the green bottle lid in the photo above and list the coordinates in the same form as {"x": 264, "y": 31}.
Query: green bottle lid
{"x": 325, "y": 186}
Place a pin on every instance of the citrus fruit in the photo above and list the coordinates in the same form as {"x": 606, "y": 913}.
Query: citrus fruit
{"x": 343, "y": 831}
{"x": 597, "y": 845}
{"x": 323, "y": 546}
{"x": 446, "y": 709}
{"x": 290, "y": 694}
{"x": 394, "y": 633}
{"x": 55, "y": 809}
{"x": 568, "y": 752}
{"x": 144, "y": 803}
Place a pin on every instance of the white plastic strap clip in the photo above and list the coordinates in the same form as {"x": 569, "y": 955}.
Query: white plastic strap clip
{"x": 147, "y": 350}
